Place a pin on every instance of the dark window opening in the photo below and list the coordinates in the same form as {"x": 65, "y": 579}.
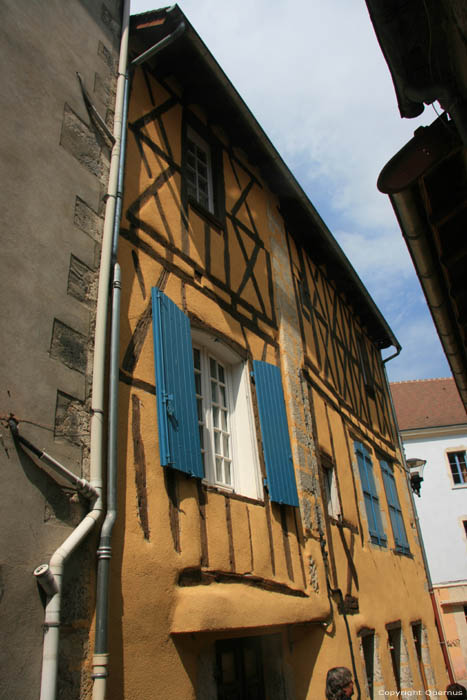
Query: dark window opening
{"x": 417, "y": 638}
{"x": 240, "y": 669}
{"x": 368, "y": 645}
{"x": 394, "y": 639}
{"x": 202, "y": 172}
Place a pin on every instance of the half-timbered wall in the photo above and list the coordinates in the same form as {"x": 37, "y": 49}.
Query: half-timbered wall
{"x": 338, "y": 349}
{"x": 201, "y": 563}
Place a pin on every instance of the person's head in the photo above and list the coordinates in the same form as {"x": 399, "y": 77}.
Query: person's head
{"x": 456, "y": 690}
{"x": 339, "y": 683}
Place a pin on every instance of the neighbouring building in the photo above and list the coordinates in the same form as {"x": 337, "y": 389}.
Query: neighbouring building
{"x": 424, "y": 43}
{"x": 433, "y": 425}
{"x": 264, "y": 530}
{"x": 54, "y": 167}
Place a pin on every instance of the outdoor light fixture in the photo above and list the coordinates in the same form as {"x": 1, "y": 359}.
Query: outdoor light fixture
{"x": 416, "y": 467}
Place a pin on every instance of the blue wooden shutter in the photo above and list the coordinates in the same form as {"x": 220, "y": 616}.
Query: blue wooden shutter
{"x": 395, "y": 512}
{"x": 276, "y": 441}
{"x": 370, "y": 495}
{"x": 177, "y": 418}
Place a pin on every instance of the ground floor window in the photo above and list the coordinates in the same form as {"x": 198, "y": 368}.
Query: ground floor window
{"x": 418, "y": 642}
{"x": 394, "y": 640}
{"x": 240, "y": 669}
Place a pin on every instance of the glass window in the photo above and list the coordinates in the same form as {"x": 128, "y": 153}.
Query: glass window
{"x": 198, "y": 170}
{"x": 457, "y": 462}
{"x": 225, "y": 417}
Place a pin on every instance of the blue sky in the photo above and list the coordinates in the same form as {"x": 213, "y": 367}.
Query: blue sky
{"x": 314, "y": 76}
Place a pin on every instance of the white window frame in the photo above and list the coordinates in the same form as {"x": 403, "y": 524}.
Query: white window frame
{"x": 201, "y": 144}
{"x": 453, "y": 451}
{"x": 245, "y": 468}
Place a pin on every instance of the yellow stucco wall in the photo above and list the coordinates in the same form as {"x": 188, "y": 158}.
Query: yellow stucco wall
{"x": 194, "y": 563}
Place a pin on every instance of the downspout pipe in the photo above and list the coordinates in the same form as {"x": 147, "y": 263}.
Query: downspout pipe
{"x": 50, "y": 576}
{"x": 439, "y": 627}
{"x": 104, "y": 552}
{"x": 102, "y": 308}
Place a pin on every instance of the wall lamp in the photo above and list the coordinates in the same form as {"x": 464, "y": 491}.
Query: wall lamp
{"x": 416, "y": 467}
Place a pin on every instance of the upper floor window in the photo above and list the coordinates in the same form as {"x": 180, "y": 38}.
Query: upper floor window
{"x": 457, "y": 462}
{"x": 331, "y": 495}
{"x": 199, "y": 170}
{"x": 204, "y": 410}
{"x": 370, "y": 494}
{"x": 395, "y": 512}
{"x": 225, "y": 417}
{"x": 202, "y": 171}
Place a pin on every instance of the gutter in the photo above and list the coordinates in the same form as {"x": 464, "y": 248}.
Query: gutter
{"x": 413, "y": 229}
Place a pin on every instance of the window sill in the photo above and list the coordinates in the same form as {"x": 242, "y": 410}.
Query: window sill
{"x": 402, "y": 553}
{"x": 459, "y": 486}
{"x": 206, "y": 214}
{"x": 212, "y": 488}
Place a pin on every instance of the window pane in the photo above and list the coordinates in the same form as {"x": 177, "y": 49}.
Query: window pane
{"x": 228, "y": 476}
{"x": 224, "y": 420}
{"x": 198, "y": 383}
{"x": 217, "y": 443}
{"x": 228, "y": 667}
{"x": 214, "y": 391}
{"x": 192, "y": 190}
{"x": 215, "y": 416}
{"x": 202, "y": 155}
{"x": 249, "y": 662}
{"x": 199, "y": 405}
{"x": 196, "y": 358}
{"x": 223, "y": 396}
{"x": 226, "y": 446}
{"x": 219, "y": 469}
{"x": 221, "y": 374}
{"x": 212, "y": 365}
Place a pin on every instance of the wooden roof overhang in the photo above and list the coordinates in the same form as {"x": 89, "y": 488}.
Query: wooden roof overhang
{"x": 427, "y": 184}
{"x": 204, "y": 82}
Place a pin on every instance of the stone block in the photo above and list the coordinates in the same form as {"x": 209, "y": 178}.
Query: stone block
{"x": 88, "y": 220}
{"x": 82, "y": 281}
{"x": 106, "y": 55}
{"x": 71, "y": 420}
{"x": 69, "y": 346}
{"x": 82, "y": 142}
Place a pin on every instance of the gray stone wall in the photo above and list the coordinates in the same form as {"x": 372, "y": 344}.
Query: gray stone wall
{"x": 54, "y": 167}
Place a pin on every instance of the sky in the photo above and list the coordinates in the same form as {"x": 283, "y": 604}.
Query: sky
{"x": 313, "y": 74}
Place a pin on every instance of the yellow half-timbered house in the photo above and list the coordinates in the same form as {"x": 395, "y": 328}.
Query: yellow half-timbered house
{"x": 265, "y": 530}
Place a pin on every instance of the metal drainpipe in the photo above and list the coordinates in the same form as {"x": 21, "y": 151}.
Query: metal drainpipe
{"x": 104, "y": 552}
{"x": 50, "y": 576}
{"x": 438, "y": 624}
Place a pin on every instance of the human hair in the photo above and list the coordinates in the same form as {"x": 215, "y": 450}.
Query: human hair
{"x": 336, "y": 680}
{"x": 456, "y": 690}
